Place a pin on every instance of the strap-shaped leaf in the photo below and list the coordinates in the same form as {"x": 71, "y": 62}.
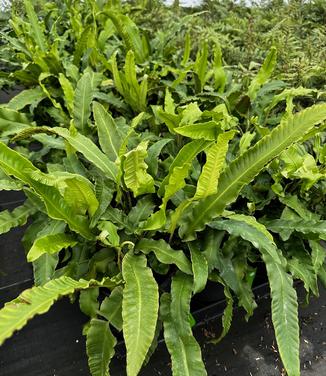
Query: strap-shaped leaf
{"x": 44, "y": 268}
{"x": 211, "y": 247}
{"x": 57, "y": 208}
{"x": 26, "y": 97}
{"x": 251, "y": 221}
{"x": 172, "y": 183}
{"x": 295, "y": 204}
{"x": 57, "y": 112}
{"x": 140, "y": 213}
{"x": 16, "y": 165}
{"x": 15, "y": 218}
{"x": 82, "y": 44}
{"x": 119, "y": 79}
{"x": 190, "y": 114}
{"x": 83, "y": 98}
{"x": 111, "y": 308}
{"x": 88, "y": 301}
{"x": 136, "y": 177}
{"x": 264, "y": 73}
{"x": 288, "y": 95}
{"x": 300, "y": 225}
{"x": 318, "y": 255}
{"x": 284, "y": 298}
{"x": 242, "y": 170}
{"x": 176, "y": 215}
{"x": 176, "y": 182}
{"x": 228, "y": 311}
{"x": 227, "y": 315}
{"x": 181, "y": 293}
{"x": 187, "y": 50}
{"x": 9, "y": 184}
{"x": 19, "y": 46}
{"x": 183, "y": 348}
{"x": 127, "y": 84}
{"x": 199, "y": 267}
{"x": 109, "y": 137}
{"x": 100, "y": 343}
{"x": 185, "y": 155}
{"x": 129, "y": 31}
{"x": 130, "y": 132}
{"x": 137, "y": 92}
{"x": 155, "y": 342}
{"x": 73, "y": 163}
{"x": 12, "y": 122}
{"x": 215, "y": 159}
{"x": 90, "y": 151}
{"x": 245, "y": 141}
{"x": 284, "y": 315}
{"x": 42, "y": 226}
{"x": 68, "y": 91}
{"x": 165, "y": 254}
{"x": 104, "y": 194}
{"x": 36, "y": 301}
{"x": 37, "y": 31}
{"x": 77, "y": 191}
{"x": 171, "y": 120}
{"x": 207, "y": 131}
{"x": 300, "y": 268}
{"x": 200, "y": 66}
{"x": 79, "y": 194}
{"x": 249, "y": 229}
{"x": 153, "y": 155}
{"x": 139, "y": 310}
{"x": 50, "y": 244}
{"x": 220, "y": 76}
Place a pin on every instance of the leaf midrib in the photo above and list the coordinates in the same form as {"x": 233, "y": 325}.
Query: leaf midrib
{"x": 100, "y": 163}
{"x": 20, "y": 320}
{"x": 239, "y": 177}
{"x": 45, "y": 198}
{"x": 139, "y": 311}
{"x": 61, "y": 214}
{"x": 84, "y": 107}
{"x": 106, "y": 130}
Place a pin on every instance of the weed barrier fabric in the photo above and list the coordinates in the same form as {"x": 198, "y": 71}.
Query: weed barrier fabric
{"x": 6, "y": 95}
{"x": 53, "y": 344}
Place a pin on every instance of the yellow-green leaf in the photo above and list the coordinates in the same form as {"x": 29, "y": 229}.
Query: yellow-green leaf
{"x": 50, "y": 244}
{"x": 139, "y": 310}
{"x": 136, "y": 177}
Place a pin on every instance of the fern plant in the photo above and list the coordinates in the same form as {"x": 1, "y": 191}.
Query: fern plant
{"x": 147, "y": 170}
